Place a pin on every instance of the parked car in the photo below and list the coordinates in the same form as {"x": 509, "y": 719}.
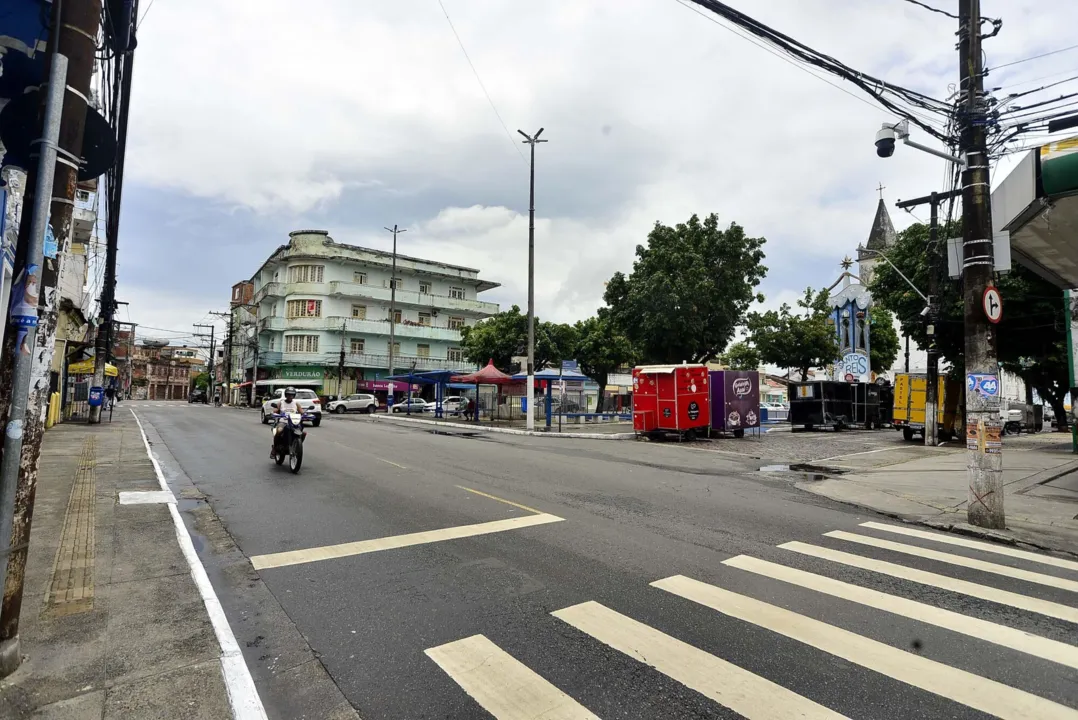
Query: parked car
{"x": 354, "y": 403}
{"x": 197, "y": 396}
{"x": 451, "y": 405}
{"x": 308, "y": 401}
{"x": 415, "y": 405}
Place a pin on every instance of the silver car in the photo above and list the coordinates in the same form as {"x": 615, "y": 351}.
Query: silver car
{"x": 354, "y": 403}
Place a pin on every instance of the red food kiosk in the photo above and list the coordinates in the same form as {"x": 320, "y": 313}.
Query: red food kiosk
{"x": 671, "y": 399}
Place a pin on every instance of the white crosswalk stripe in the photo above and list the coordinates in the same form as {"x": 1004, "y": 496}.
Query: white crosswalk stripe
{"x": 960, "y": 560}
{"x": 975, "y": 545}
{"x": 504, "y": 686}
{"x": 957, "y": 622}
{"x": 972, "y": 690}
{"x": 740, "y": 690}
{"x": 984, "y": 592}
{"x": 509, "y": 690}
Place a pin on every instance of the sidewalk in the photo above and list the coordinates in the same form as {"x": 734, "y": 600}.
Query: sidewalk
{"x": 1040, "y": 476}
{"x": 591, "y": 431}
{"x": 112, "y": 623}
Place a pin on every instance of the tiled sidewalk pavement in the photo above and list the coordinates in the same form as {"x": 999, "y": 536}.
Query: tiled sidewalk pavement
{"x": 112, "y": 624}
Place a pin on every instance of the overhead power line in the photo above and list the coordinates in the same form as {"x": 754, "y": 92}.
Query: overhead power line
{"x": 481, "y": 85}
{"x": 1035, "y": 57}
{"x": 935, "y": 10}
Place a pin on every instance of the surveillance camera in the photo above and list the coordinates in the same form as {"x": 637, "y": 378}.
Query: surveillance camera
{"x": 885, "y": 141}
{"x": 924, "y": 313}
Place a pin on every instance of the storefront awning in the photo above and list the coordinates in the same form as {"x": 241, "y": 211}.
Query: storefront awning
{"x": 86, "y": 367}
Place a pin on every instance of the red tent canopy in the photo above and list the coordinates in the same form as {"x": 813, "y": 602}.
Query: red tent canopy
{"x": 489, "y": 375}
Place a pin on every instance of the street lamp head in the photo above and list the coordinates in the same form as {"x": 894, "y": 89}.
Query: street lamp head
{"x": 539, "y": 133}
{"x": 526, "y": 138}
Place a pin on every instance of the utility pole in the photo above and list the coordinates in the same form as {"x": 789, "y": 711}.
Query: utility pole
{"x": 209, "y": 361}
{"x": 73, "y": 34}
{"x": 907, "y": 354}
{"x": 124, "y": 64}
{"x": 932, "y": 374}
{"x": 340, "y": 365}
{"x": 393, "y": 303}
{"x": 984, "y": 446}
{"x": 27, "y": 317}
{"x": 228, "y": 355}
{"x": 532, "y": 141}
{"x": 254, "y": 370}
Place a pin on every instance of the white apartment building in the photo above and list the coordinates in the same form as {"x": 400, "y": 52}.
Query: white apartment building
{"x": 315, "y": 296}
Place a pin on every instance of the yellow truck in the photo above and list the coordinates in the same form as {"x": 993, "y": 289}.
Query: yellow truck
{"x": 909, "y": 415}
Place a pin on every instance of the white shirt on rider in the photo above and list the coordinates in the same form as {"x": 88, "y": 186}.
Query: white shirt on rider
{"x": 289, "y": 407}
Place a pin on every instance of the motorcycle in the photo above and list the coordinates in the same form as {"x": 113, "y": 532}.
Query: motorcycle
{"x": 288, "y": 443}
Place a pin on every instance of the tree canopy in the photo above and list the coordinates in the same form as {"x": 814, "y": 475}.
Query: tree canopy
{"x": 798, "y": 339}
{"x": 600, "y": 350}
{"x": 1030, "y": 338}
{"x": 689, "y": 289}
{"x": 504, "y": 336}
{"x": 741, "y": 356}
{"x": 883, "y": 340}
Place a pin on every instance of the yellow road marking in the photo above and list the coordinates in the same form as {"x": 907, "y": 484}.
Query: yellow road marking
{"x": 501, "y": 500}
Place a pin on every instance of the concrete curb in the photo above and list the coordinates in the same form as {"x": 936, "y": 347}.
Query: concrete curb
{"x": 478, "y": 427}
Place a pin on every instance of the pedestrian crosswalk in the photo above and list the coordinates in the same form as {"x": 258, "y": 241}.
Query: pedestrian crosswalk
{"x": 509, "y": 690}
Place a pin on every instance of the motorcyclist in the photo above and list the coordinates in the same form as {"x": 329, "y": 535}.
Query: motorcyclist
{"x": 287, "y": 404}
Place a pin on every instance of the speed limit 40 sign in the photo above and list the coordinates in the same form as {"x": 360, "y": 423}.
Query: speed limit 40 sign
{"x": 992, "y": 303}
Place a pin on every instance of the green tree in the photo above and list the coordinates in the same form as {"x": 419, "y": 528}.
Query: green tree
{"x": 883, "y": 340}
{"x": 689, "y": 289}
{"x": 798, "y": 339}
{"x": 600, "y": 350}
{"x": 202, "y": 381}
{"x": 504, "y": 336}
{"x": 741, "y": 356}
{"x": 1030, "y": 338}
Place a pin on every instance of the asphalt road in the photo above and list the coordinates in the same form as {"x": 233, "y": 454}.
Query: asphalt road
{"x": 551, "y": 612}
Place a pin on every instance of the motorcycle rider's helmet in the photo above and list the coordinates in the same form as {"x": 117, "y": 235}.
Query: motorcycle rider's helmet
{"x": 289, "y": 393}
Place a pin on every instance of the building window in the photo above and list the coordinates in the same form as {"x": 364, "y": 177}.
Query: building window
{"x": 359, "y": 311}
{"x": 359, "y": 278}
{"x": 271, "y": 342}
{"x": 422, "y": 350}
{"x": 457, "y": 293}
{"x": 396, "y": 316}
{"x": 396, "y": 284}
{"x": 357, "y": 346}
{"x": 301, "y": 343}
{"x": 456, "y": 323}
{"x": 396, "y": 348}
{"x": 455, "y": 355}
{"x": 424, "y": 287}
{"x": 306, "y": 273}
{"x": 424, "y": 319}
{"x": 304, "y": 308}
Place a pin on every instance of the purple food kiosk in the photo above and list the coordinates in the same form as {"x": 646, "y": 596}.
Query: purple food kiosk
{"x": 735, "y": 401}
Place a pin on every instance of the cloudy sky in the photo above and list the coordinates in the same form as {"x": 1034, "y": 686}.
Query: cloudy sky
{"x": 251, "y": 118}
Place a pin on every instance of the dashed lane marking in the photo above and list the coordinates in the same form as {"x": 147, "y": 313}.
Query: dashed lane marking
{"x": 501, "y": 500}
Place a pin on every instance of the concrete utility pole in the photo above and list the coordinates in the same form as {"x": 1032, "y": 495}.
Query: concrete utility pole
{"x": 984, "y": 445}
{"x": 228, "y": 354}
{"x": 932, "y": 374}
{"x": 393, "y": 303}
{"x": 73, "y": 34}
{"x": 27, "y": 316}
{"x": 340, "y": 365}
{"x": 254, "y": 369}
{"x": 209, "y": 361}
{"x": 531, "y": 140}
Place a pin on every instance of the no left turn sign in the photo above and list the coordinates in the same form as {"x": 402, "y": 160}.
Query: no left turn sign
{"x": 992, "y": 303}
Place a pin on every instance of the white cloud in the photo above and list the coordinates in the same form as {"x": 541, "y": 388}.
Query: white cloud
{"x": 652, "y": 113}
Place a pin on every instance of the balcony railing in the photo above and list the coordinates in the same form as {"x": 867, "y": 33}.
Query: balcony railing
{"x": 402, "y": 363}
{"x": 412, "y": 298}
{"x": 273, "y": 289}
{"x": 356, "y": 325}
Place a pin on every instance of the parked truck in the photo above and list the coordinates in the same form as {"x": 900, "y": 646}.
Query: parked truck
{"x": 909, "y": 412}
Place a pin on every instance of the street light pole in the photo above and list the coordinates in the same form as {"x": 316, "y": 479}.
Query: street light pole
{"x": 393, "y": 302}
{"x": 530, "y": 417}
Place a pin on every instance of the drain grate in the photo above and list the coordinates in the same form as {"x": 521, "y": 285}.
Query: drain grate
{"x": 72, "y": 588}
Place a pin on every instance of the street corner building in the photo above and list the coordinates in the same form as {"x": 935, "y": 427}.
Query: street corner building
{"x": 315, "y": 299}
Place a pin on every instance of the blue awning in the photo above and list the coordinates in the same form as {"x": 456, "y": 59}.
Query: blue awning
{"x": 555, "y": 374}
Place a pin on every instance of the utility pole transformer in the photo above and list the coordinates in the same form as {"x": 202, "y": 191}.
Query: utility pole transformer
{"x": 984, "y": 446}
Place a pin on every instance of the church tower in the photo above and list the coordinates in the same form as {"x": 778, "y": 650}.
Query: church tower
{"x": 880, "y": 238}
